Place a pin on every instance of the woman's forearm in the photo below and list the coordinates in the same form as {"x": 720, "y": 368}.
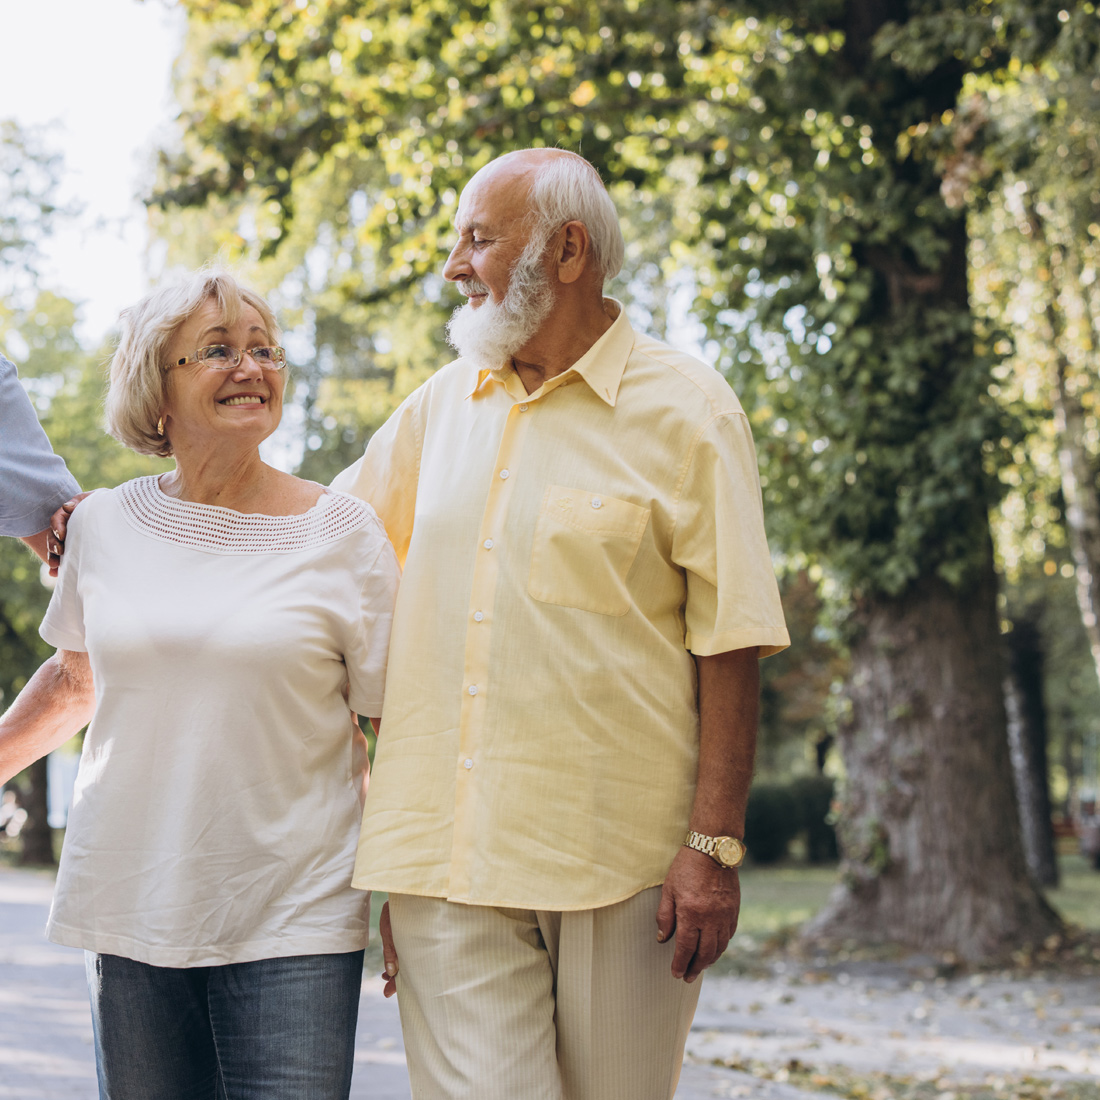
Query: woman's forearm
{"x": 57, "y": 702}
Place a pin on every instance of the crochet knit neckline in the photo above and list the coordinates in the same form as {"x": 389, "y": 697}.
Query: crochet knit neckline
{"x": 217, "y": 530}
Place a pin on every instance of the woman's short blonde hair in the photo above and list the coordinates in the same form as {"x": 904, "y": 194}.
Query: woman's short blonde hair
{"x": 138, "y": 385}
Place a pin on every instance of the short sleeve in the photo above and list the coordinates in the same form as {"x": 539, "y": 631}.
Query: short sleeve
{"x": 387, "y": 474}
{"x": 719, "y": 542}
{"x": 366, "y": 658}
{"x": 63, "y": 625}
{"x": 34, "y": 482}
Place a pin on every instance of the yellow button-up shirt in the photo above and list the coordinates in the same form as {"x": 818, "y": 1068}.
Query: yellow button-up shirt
{"x": 565, "y": 552}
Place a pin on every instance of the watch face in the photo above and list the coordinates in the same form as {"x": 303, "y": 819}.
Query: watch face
{"x": 730, "y": 851}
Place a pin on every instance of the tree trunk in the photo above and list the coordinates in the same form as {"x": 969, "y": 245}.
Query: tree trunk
{"x": 1075, "y": 463}
{"x": 1027, "y": 739}
{"x": 1082, "y": 505}
{"x": 929, "y": 830}
{"x": 1071, "y": 765}
{"x": 36, "y": 835}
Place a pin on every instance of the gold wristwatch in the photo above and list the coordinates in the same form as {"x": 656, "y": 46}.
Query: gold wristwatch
{"x": 727, "y": 851}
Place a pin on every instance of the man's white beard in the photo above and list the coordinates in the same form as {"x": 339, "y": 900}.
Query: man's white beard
{"x": 493, "y": 332}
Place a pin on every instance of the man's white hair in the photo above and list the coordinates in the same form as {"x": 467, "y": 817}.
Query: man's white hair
{"x": 568, "y": 189}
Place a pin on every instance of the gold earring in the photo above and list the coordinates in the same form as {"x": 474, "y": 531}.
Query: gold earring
{"x": 160, "y": 427}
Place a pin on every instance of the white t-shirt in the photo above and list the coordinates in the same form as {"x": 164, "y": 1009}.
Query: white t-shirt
{"x": 217, "y": 806}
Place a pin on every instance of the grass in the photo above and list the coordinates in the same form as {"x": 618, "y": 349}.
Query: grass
{"x": 1077, "y": 897}
{"x": 784, "y": 896}
{"x": 777, "y": 897}
{"x": 781, "y": 897}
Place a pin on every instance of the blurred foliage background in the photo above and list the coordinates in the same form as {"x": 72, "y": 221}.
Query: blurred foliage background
{"x": 881, "y": 221}
{"x": 323, "y": 146}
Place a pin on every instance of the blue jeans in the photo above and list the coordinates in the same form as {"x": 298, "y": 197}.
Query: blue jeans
{"x": 274, "y": 1029}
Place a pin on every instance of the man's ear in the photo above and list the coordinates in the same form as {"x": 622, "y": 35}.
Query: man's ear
{"x": 574, "y": 251}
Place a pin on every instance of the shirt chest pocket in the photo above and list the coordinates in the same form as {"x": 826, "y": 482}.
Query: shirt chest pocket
{"x": 585, "y": 544}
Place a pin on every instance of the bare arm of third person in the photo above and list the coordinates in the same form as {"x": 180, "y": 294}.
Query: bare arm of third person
{"x": 701, "y": 900}
{"x": 57, "y": 702}
{"x": 38, "y": 543}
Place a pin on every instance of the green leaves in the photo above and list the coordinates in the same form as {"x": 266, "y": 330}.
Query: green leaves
{"x": 66, "y": 384}
{"x": 789, "y": 162}
{"x": 28, "y": 178}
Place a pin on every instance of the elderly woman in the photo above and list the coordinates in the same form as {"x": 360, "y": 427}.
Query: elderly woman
{"x": 218, "y": 621}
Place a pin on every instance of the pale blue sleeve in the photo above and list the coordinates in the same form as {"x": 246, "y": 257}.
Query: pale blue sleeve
{"x": 34, "y": 482}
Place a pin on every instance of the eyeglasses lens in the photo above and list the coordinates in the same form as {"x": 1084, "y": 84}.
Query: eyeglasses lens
{"x": 223, "y": 357}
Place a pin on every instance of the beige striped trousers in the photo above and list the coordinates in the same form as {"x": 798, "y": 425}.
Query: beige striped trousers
{"x": 513, "y": 1004}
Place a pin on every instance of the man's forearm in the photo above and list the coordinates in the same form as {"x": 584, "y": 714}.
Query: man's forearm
{"x": 729, "y": 707}
{"x": 701, "y": 900}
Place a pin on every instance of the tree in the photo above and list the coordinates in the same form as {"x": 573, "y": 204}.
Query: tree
{"x": 1033, "y": 164}
{"x": 351, "y": 363}
{"x": 27, "y": 184}
{"x": 793, "y": 156}
{"x": 800, "y": 700}
{"x": 28, "y": 180}
{"x": 887, "y": 394}
{"x": 1027, "y": 739}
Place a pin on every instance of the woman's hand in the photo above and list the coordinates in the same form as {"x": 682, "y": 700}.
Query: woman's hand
{"x": 55, "y": 540}
{"x": 389, "y": 952}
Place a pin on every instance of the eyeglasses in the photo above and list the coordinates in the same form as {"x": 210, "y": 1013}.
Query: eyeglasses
{"x": 223, "y": 357}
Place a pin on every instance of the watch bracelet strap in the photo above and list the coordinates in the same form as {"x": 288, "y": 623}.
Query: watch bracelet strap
{"x": 700, "y": 842}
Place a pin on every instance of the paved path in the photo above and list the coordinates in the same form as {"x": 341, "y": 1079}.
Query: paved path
{"x": 46, "y": 1031}
{"x": 46, "y": 1028}
{"x": 867, "y": 1019}
{"x": 881, "y": 1019}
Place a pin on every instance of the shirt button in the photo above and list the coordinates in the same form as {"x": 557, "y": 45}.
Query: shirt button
{"x": 488, "y": 544}
{"x": 467, "y": 763}
{"x": 503, "y": 475}
{"x": 472, "y": 689}
{"x": 523, "y": 408}
{"x": 597, "y": 503}
{"x": 478, "y": 616}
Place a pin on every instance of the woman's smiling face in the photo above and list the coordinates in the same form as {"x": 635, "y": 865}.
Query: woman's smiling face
{"x": 209, "y": 406}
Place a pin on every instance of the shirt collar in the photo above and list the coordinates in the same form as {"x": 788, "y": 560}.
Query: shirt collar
{"x": 601, "y": 367}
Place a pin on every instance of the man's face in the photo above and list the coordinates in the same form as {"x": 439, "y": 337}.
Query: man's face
{"x": 500, "y": 269}
{"x": 492, "y": 235}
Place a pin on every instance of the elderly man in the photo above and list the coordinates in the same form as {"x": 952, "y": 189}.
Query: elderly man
{"x": 570, "y": 718}
{"x": 33, "y": 480}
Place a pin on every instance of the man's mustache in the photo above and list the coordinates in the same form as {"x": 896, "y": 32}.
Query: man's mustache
{"x": 469, "y": 287}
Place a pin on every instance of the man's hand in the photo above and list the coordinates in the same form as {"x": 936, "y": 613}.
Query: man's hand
{"x": 701, "y": 899}
{"x": 389, "y": 952}
{"x": 59, "y": 522}
{"x": 700, "y": 902}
